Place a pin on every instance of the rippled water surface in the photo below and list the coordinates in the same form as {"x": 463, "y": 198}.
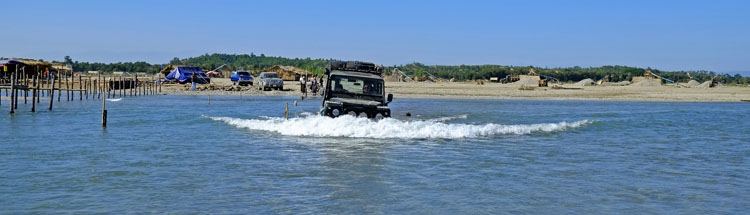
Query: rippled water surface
{"x": 174, "y": 154}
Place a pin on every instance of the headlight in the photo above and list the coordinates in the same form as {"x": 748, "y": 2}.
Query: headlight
{"x": 335, "y": 112}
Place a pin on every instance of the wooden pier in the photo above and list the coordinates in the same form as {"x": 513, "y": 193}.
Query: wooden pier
{"x": 35, "y": 85}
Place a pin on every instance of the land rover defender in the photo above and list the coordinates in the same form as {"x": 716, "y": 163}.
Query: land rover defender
{"x": 355, "y": 88}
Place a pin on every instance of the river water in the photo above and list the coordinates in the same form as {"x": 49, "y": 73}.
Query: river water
{"x": 180, "y": 154}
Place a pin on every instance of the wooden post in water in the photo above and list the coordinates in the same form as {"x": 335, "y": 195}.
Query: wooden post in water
{"x": 80, "y": 88}
{"x": 33, "y": 96}
{"x": 121, "y": 85}
{"x": 59, "y": 86}
{"x": 25, "y": 92}
{"x": 104, "y": 113}
{"x": 12, "y": 89}
{"x": 67, "y": 88}
{"x": 15, "y": 101}
{"x": 136, "y": 85}
{"x": 88, "y": 86}
{"x": 38, "y": 85}
{"x": 107, "y": 85}
{"x": 286, "y": 111}
{"x": 52, "y": 94}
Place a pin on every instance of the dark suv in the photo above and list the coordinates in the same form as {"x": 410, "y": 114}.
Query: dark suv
{"x": 355, "y": 88}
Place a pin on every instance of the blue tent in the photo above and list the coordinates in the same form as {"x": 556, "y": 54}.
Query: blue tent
{"x": 182, "y": 74}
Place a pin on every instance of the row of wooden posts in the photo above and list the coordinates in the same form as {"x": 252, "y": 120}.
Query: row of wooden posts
{"x": 40, "y": 85}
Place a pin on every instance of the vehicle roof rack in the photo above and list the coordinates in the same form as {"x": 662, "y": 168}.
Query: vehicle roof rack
{"x": 357, "y": 66}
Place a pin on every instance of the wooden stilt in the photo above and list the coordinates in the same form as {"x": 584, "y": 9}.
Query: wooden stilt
{"x": 39, "y": 84}
{"x": 52, "y": 94}
{"x": 33, "y": 96}
{"x": 104, "y": 113}
{"x": 25, "y": 92}
{"x": 15, "y": 92}
{"x": 88, "y": 86}
{"x": 12, "y": 89}
{"x": 108, "y": 86}
{"x": 80, "y": 88}
{"x": 59, "y": 86}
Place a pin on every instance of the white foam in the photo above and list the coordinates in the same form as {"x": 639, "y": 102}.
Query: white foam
{"x": 348, "y": 126}
{"x": 114, "y": 100}
{"x": 449, "y": 118}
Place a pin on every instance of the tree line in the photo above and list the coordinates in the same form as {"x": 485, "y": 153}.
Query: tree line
{"x": 459, "y": 72}
{"x": 564, "y": 74}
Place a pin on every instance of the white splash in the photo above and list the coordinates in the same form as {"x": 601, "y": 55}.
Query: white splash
{"x": 348, "y": 126}
{"x": 449, "y": 118}
{"x": 114, "y": 100}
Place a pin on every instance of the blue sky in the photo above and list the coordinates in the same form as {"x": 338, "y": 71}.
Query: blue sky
{"x": 668, "y": 35}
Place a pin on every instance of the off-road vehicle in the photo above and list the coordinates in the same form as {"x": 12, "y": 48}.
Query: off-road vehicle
{"x": 355, "y": 88}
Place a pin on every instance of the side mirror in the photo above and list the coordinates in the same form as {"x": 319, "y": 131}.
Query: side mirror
{"x": 327, "y": 71}
{"x": 390, "y": 98}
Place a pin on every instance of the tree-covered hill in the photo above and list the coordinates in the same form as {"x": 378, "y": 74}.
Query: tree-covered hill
{"x": 459, "y": 72}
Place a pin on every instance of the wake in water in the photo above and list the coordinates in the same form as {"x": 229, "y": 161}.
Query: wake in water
{"x": 114, "y": 100}
{"x": 348, "y": 126}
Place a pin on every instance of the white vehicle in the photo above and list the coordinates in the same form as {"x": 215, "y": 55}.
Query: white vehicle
{"x": 270, "y": 80}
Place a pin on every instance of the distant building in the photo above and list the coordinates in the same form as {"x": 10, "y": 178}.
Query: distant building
{"x": 286, "y": 73}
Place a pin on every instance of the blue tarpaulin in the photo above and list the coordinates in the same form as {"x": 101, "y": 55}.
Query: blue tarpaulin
{"x": 183, "y": 74}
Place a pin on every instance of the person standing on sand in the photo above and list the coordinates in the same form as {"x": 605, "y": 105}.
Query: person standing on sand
{"x": 192, "y": 79}
{"x": 314, "y": 86}
{"x": 302, "y": 84}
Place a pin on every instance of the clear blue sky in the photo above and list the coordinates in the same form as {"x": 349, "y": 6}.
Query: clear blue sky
{"x": 668, "y": 35}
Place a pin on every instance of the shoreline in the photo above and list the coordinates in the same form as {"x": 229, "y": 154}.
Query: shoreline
{"x": 466, "y": 90}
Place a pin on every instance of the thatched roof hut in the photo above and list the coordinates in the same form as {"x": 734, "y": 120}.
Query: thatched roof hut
{"x": 287, "y": 73}
{"x": 30, "y": 67}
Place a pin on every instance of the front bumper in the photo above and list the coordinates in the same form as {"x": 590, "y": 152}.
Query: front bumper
{"x": 357, "y": 110}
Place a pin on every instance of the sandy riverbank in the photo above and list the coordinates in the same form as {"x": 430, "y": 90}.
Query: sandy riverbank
{"x": 665, "y": 93}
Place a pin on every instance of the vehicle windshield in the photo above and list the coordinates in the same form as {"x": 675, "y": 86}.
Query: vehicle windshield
{"x": 270, "y": 75}
{"x": 357, "y": 85}
{"x": 243, "y": 73}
